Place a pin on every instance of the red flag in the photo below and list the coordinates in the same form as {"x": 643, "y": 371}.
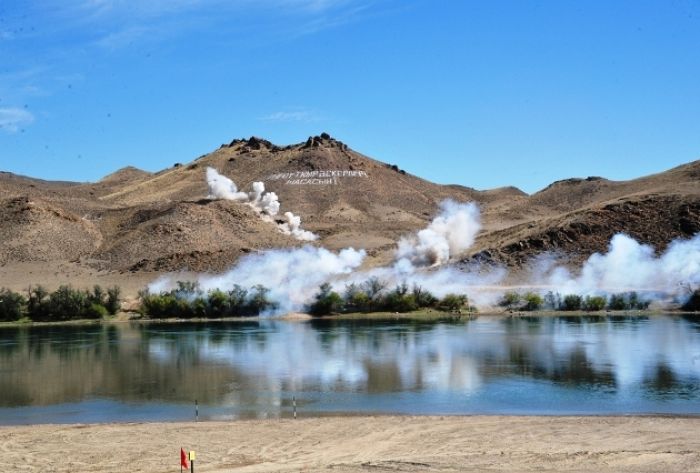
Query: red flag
{"x": 183, "y": 459}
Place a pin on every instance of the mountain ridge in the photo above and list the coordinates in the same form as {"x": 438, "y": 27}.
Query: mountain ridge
{"x": 137, "y": 222}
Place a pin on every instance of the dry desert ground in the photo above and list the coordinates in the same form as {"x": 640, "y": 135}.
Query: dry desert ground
{"x": 353, "y": 444}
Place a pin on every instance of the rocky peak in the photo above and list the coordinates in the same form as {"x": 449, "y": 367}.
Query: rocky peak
{"x": 324, "y": 140}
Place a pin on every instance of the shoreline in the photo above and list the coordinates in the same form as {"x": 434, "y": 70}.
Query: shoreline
{"x": 418, "y": 316}
{"x": 339, "y": 415}
{"x": 364, "y": 443}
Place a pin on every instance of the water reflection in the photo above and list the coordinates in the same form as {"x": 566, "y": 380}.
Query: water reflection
{"x": 532, "y": 365}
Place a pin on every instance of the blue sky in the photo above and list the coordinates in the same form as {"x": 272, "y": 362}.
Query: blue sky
{"x": 483, "y": 94}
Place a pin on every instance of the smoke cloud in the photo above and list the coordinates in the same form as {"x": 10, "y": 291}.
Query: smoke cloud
{"x": 266, "y": 204}
{"x": 451, "y": 232}
{"x": 221, "y": 187}
{"x": 420, "y": 258}
{"x": 631, "y": 266}
{"x": 295, "y": 275}
{"x": 293, "y": 227}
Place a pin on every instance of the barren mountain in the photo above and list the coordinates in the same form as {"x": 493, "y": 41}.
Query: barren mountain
{"x": 577, "y": 217}
{"x": 141, "y": 223}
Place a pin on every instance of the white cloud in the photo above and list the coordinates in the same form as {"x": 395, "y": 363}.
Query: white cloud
{"x": 124, "y": 37}
{"x": 13, "y": 119}
{"x": 311, "y": 5}
{"x": 115, "y": 24}
{"x": 290, "y": 116}
{"x": 150, "y": 8}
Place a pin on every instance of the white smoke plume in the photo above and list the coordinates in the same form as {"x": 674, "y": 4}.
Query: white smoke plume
{"x": 294, "y": 276}
{"x": 221, "y": 187}
{"x": 481, "y": 285}
{"x": 293, "y": 227}
{"x": 267, "y": 204}
{"x": 258, "y": 190}
{"x": 450, "y": 233}
{"x": 631, "y": 266}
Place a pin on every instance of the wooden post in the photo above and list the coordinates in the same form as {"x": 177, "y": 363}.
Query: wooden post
{"x": 294, "y": 404}
{"x": 196, "y": 411}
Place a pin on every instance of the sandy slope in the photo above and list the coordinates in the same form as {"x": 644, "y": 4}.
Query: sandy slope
{"x": 349, "y": 444}
{"x": 134, "y": 221}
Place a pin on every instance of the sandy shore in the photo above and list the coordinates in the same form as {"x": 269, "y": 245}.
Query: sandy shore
{"x": 351, "y": 444}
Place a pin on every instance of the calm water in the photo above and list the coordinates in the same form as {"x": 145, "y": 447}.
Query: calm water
{"x": 563, "y": 365}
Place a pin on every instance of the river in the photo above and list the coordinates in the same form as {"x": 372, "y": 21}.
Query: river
{"x": 257, "y": 369}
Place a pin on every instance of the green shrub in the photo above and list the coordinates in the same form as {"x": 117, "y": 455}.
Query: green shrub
{"x": 371, "y": 295}
{"x": 97, "y": 296}
{"x": 617, "y": 302}
{"x": 355, "y": 299}
{"x": 198, "y": 307}
{"x": 164, "y": 305}
{"x": 326, "y": 301}
{"x": 374, "y": 287}
{"x": 628, "y": 301}
{"x": 259, "y": 301}
{"x": 423, "y": 297}
{"x": 510, "y": 300}
{"x": 533, "y": 301}
{"x": 359, "y": 302}
{"x": 453, "y": 302}
{"x": 66, "y": 303}
{"x": 112, "y": 303}
{"x": 399, "y": 300}
{"x": 95, "y": 311}
{"x": 572, "y": 302}
{"x": 187, "y": 300}
{"x": 217, "y": 304}
{"x": 594, "y": 303}
{"x": 37, "y": 303}
{"x": 12, "y": 305}
{"x": 237, "y": 300}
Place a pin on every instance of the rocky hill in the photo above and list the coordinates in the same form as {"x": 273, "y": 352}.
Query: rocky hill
{"x": 133, "y": 222}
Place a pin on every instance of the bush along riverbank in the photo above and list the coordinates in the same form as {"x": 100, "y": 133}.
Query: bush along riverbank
{"x": 374, "y": 296}
{"x": 188, "y": 301}
{"x": 63, "y": 304}
{"x": 553, "y": 301}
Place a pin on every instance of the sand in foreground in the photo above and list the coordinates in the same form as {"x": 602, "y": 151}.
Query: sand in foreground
{"x": 350, "y": 444}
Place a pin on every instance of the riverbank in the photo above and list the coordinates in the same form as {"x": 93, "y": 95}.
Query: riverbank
{"x": 352, "y": 444}
{"x": 417, "y": 316}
